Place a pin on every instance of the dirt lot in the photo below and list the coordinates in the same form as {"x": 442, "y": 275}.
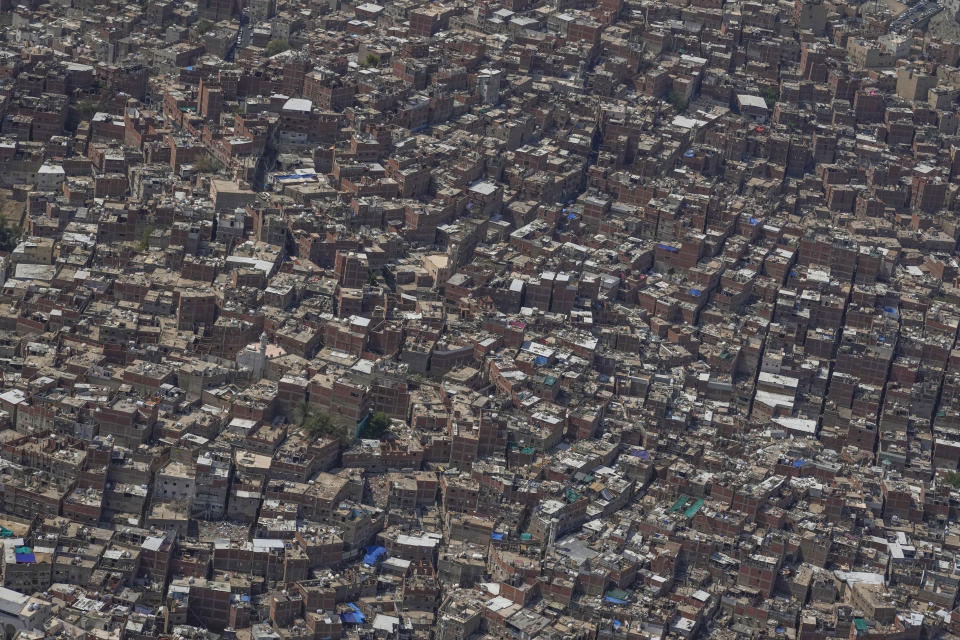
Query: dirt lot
{"x": 944, "y": 25}
{"x": 896, "y": 7}
{"x": 10, "y": 210}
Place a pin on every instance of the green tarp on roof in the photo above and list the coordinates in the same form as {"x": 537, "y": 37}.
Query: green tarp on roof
{"x": 5, "y": 533}
{"x": 682, "y": 500}
{"x": 692, "y": 509}
{"x": 860, "y": 624}
{"x": 619, "y": 594}
{"x": 525, "y": 536}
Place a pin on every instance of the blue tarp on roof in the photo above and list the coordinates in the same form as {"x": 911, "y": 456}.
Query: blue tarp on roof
{"x": 571, "y": 216}
{"x": 373, "y": 554}
{"x": 288, "y": 176}
{"x": 890, "y": 310}
{"x": 613, "y": 600}
{"x": 695, "y": 292}
{"x": 800, "y": 462}
{"x": 754, "y": 221}
{"x": 496, "y": 536}
{"x": 617, "y": 623}
{"x": 354, "y": 617}
{"x": 26, "y": 558}
{"x": 667, "y": 247}
{"x": 540, "y": 360}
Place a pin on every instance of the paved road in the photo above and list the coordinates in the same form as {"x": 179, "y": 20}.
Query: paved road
{"x": 914, "y": 17}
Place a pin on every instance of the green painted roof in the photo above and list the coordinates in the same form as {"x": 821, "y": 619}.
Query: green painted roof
{"x": 692, "y": 509}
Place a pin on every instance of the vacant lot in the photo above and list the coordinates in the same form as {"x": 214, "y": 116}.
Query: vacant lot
{"x": 896, "y": 7}
{"x": 11, "y": 211}
{"x": 944, "y": 24}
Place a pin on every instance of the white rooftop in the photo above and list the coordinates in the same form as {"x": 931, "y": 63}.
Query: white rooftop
{"x": 297, "y": 104}
{"x": 751, "y": 101}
